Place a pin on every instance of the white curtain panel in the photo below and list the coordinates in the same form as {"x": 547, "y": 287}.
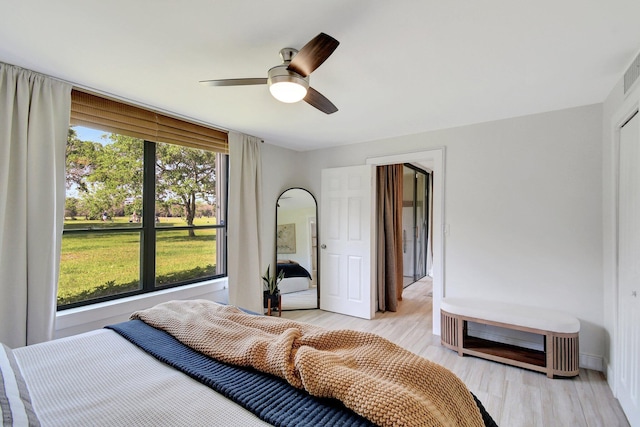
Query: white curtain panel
{"x": 243, "y": 226}
{"x": 34, "y": 121}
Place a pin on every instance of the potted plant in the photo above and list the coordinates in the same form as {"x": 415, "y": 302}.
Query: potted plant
{"x": 271, "y": 290}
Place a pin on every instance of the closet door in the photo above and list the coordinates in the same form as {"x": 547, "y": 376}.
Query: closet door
{"x": 628, "y": 346}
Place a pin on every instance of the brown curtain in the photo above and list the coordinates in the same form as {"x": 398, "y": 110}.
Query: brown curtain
{"x": 389, "y": 244}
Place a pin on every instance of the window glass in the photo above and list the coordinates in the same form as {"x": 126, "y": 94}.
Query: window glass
{"x": 104, "y": 180}
{"x": 181, "y": 257}
{"x": 187, "y": 200}
{"x": 97, "y": 265}
{"x": 106, "y": 230}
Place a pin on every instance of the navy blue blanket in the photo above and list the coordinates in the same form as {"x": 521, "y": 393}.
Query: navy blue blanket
{"x": 293, "y": 269}
{"x": 270, "y": 398}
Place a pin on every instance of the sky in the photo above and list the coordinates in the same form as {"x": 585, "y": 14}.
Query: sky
{"x": 86, "y": 134}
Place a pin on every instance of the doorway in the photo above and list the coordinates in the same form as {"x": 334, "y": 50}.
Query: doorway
{"x": 433, "y": 160}
{"x": 415, "y": 223}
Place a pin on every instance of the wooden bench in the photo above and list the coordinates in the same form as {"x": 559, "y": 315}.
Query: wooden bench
{"x": 560, "y": 355}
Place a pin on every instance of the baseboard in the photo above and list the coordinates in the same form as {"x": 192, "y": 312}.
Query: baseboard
{"x": 609, "y": 373}
{"x": 589, "y": 361}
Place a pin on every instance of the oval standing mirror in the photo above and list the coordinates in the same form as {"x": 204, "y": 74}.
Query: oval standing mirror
{"x": 297, "y": 249}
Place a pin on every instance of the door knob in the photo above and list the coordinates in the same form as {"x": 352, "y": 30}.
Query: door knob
{"x": 323, "y": 246}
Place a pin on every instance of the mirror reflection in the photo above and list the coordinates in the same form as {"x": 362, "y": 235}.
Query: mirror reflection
{"x": 297, "y": 249}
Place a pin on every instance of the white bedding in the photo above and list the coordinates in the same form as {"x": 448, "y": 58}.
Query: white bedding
{"x": 100, "y": 379}
{"x": 294, "y": 284}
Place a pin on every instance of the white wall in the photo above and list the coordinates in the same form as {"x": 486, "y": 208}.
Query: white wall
{"x": 281, "y": 169}
{"x": 523, "y": 205}
{"x": 299, "y": 217}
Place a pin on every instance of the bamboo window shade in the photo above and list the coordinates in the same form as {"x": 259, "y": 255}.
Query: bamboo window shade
{"x": 113, "y": 116}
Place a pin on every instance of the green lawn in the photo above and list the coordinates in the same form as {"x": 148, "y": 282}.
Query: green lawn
{"x": 99, "y": 264}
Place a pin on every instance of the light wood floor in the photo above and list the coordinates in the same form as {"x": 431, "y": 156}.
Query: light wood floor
{"x": 514, "y": 397}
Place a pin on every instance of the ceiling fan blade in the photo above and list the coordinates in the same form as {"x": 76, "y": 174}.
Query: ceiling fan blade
{"x": 313, "y": 54}
{"x": 234, "y": 82}
{"x": 318, "y": 100}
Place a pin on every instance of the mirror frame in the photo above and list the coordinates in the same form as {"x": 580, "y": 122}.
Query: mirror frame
{"x": 315, "y": 201}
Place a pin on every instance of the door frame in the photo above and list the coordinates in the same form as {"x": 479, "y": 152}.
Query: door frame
{"x": 623, "y": 114}
{"x": 432, "y": 159}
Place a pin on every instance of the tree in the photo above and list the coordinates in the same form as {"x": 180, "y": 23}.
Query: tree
{"x": 109, "y": 176}
{"x": 204, "y": 209}
{"x": 71, "y": 207}
{"x": 80, "y": 160}
{"x": 184, "y": 176}
{"x": 119, "y": 172}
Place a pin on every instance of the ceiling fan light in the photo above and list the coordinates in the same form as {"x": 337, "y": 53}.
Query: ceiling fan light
{"x": 288, "y": 92}
{"x": 286, "y": 85}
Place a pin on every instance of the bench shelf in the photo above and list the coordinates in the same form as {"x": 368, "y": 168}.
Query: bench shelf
{"x": 559, "y": 357}
{"x": 505, "y": 351}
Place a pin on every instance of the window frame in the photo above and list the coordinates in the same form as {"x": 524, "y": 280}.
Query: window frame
{"x": 148, "y": 232}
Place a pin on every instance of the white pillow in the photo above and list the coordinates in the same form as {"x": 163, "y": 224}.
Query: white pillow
{"x": 15, "y": 403}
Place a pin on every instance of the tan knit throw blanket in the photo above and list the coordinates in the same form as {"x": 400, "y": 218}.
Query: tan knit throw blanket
{"x": 372, "y": 376}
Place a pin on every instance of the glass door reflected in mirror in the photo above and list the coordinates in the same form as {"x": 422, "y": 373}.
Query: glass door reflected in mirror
{"x": 415, "y": 219}
{"x": 297, "y": 249}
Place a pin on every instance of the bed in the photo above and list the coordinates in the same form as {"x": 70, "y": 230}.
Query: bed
{"x": 157, "y": 369}
{"x": 296, "y": 277}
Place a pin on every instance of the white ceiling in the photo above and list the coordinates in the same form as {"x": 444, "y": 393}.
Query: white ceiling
{"x": 403, "y": 66}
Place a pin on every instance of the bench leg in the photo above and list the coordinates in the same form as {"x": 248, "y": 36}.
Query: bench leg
{"x": 461, "y": 324}
{"x": 548, "y": 350}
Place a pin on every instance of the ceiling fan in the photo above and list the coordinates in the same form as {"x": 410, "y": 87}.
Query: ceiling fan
{"x": 289, "y": 82}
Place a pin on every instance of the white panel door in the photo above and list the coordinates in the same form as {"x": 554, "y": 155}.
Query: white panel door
{"x": 629, "y": 271}
{"x": 346, "y": 241}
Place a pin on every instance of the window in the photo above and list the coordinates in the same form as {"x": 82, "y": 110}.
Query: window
{"x": 140, "y": 215}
